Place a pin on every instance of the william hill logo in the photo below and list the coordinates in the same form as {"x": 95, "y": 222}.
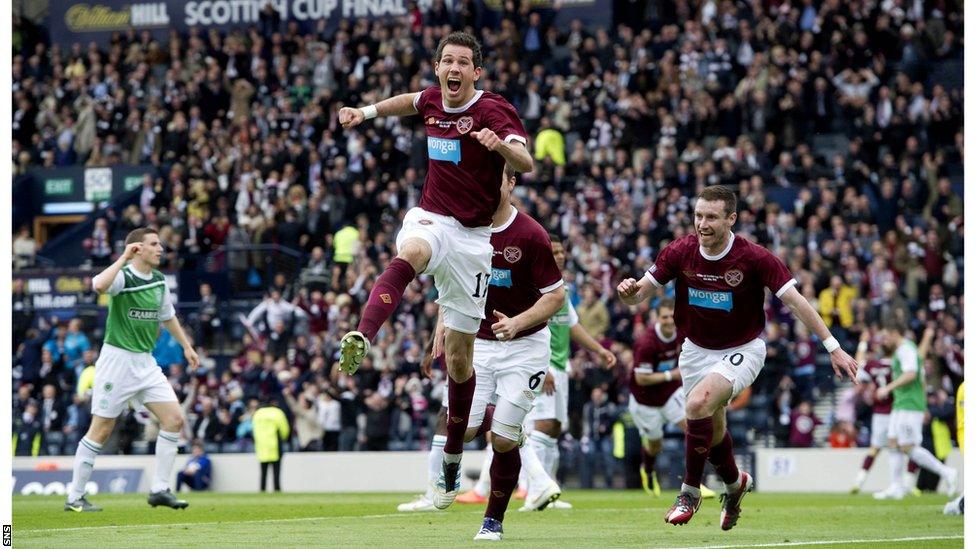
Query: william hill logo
{"x": 143, "y": 314}
{"x": 99, "y": 17}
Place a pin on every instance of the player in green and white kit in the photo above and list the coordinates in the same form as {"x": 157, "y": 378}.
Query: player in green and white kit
{"x": 126, "y": 370}
{"x": 907, "y": 413}
{"x": 551, "y": 409}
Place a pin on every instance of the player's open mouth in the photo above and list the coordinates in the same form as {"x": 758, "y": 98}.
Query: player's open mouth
{"x": 454, "y": 84}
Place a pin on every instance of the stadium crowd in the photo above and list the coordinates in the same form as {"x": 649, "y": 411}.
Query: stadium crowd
{"x": 822, "y": 114}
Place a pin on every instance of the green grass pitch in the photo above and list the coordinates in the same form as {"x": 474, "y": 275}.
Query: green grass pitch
{"x": 599, "y": 519}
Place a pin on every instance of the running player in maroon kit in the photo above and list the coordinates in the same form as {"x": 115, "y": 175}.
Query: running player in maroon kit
{"x": 655, "y": 398}
{"x": 471, "y": 135}
{"x": 719, "y": 295}
{"x": 877, "y": 372}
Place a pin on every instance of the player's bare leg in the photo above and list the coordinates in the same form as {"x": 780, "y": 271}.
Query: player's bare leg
{"x": 170, "y": 417}
{"x": 88, "y": 448}
{"x": 383, "y": 300}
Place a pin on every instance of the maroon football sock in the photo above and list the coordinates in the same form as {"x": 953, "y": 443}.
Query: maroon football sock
{"x": 722, "y": 457}
{"x": 868, "y": 462}
{"x": 459, "y": 397}
{"x": 504, "y": 479}
{"x": 698, "y": 440}
{"x": 385, "y": 297}
{"x": 486, "y": 421}
{"x": 648, "y": 459}
{"x": 912, "y": 467}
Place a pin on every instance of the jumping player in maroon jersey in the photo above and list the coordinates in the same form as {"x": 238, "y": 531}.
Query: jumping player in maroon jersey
{"x": 471, "y": 135}
{"x": 720, "y": 289}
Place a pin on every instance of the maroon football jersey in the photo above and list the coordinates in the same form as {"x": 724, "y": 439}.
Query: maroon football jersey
{"x": 880, "y": 373}
{"x": 522, "y": 269}
{"x": 463, "y": 177}
{"x": 719, "y": 300}
{"x": 652, "y": 353}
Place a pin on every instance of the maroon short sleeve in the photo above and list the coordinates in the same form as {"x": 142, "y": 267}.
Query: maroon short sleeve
{"x": 421, "y": 99}
{"x": 503, "y": 119}
{"x": 545, "y": 272}
{"x": 666, "y": 266}
{"x": 773, "y": 272}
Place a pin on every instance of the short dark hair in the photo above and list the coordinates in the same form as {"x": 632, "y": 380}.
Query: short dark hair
{"x": 138, "y": 234}
{"x": 509, "y": 172}
{"x": 554, "y": 237}
{"x": 462, "y": 39}
{"x": 894, "y": 323}
{"x": 718, "y": 192}
{"x": 665, "y": 304}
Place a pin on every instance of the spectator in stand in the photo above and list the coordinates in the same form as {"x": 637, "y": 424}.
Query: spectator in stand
{"x": 24, "y": 249}
{"x": 307, "y": 424}
{"x": 197, "y": 471}
{"x": 75, "y": 344}
{"x": 802, "y": 423}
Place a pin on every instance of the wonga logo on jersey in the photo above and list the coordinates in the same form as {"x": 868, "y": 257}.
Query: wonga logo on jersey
{"x": 666, "y": 365}
{"x": 448, "y": 150}
{"x": 710, "y": 300}
{"x": 501, "y": 277}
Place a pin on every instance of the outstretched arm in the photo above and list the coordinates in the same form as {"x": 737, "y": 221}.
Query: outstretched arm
{"x": 805, "y": 313}
{"x": 579, "y": 335}
{"x": 655, "y": 378}
{"x": 398, "y": 105}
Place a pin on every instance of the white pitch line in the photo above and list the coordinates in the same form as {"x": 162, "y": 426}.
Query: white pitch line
{"x": 824, "y": 542}
{"x": 214, "y": 523}
{"x": 266, "y": 521}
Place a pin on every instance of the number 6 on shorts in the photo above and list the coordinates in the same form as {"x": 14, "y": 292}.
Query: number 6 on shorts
{"x": 536, "y": 379}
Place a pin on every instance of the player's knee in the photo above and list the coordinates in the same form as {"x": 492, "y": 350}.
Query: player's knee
{"x": 505, "y": 432}
{"x": 653, "y": 447}
{"x": 471, "y": 433}
{"x": 172, "y": 423}
{"x": 549, "y": 427}
{"x": 502, "y": 444}
{"x": 699, "y": 406}
{"x": 416, "y": 252}
{"x": 99, "y": 431}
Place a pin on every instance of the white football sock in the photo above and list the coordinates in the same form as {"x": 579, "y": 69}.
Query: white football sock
{"x": 435, "y": 459}
{"x": 538, "y": 479}
{"x": 925, "y": 459}
{"x": 484, "y": 478}
{"x": 84, "y": 463}
{"x": 862, "y": 475}
{"x": 896, "y": 461}
{"x": 167, "y": 444}
{"x": 546, "y": 449}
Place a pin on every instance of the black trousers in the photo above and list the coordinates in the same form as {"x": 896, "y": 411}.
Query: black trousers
{"x": 276, "y": 472}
